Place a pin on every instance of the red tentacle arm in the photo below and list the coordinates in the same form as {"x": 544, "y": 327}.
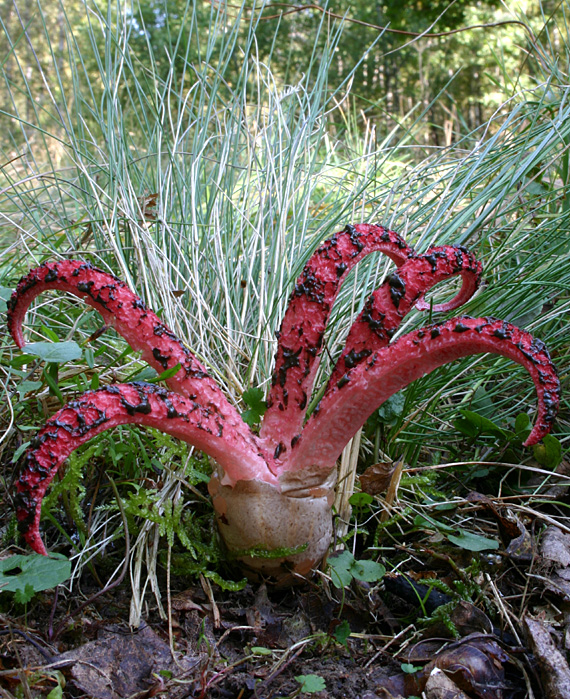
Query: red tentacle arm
{"x": 388, "y": 305}
{"x": 306, "y": 317}
{"x": 127, "y": 313}
{"x": 348, "y": 403}
{"x": 466, "y": 266}
{"x": 302, "y": 329}
{"x": 138, "y": 403}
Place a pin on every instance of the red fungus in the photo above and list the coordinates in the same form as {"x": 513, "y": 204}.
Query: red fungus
{"x": 144, "y": 331}
{"x": 135, "y": 403}
{"x": 276, "y": 490}
{"x": 311, "y": 302}
{"x": 342, "y": 411}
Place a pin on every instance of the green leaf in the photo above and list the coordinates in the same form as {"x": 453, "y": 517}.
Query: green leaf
{"x": 311, "y": 683}
{"x": 253, "y": 398}
{"x": 17, "y": 573}
{"x": 426, "y": 522}
{"x": 19, "y": 361}
{"x": 260, "y": 650}
{"x": 368, "y": 571}
{"x": 26, "y": 387}
{"x": 58, "y": 352}
{"x": 5, "y": 294}
{"x": 51, "y": 380}
{"x": 549, "y": 453}
{"x": 56, "y": 693}
{"x": 522, "y": 426}
{"x": 410, "y": 668}
{"x": 392, "y": 409}
{"x": 360, "y": 499}
{"x": 478, "y": 424}
{"x": 24, "y": 594}
{"x": 342, "y": 632}
{"x": 473, "y": 542}
{"x": 165, "y": 374}
{"x": 90, "y": 357}
{"x": 344, "y": 568}
{"x": 19, "y": 451}
{"x": 49, "y": 333}
{"x": 465, "y": 427}
{"x": 340, "y": 565}
{"x": 147, "y": 374}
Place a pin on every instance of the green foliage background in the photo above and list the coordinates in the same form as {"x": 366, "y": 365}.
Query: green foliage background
{"x": 455, "y": 80}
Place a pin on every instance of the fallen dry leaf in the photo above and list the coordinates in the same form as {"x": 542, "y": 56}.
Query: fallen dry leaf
{"x": 147, "y": 205}
{"x": 377, "y": 478}
{"x": 474, "y": 664}
{"x": 120, "y": 664}
{"x": 520, "y": 545}
{"x": 440, "y": 686}
{"x": 554, "y": 669}
{"x": 555, "y": 548}
{"x": 183, "y": 602}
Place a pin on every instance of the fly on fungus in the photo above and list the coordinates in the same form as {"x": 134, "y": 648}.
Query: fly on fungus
{"x": 274, "y": 490}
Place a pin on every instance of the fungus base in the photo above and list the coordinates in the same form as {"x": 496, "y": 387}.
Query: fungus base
{"x": 254, "y": 516}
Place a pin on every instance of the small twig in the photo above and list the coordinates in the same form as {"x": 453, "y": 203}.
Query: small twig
{"x": 384, "y": 648}
{"x": 169, "y": 602}
{"x": 392, "y": 490}
{"x": 278, "y": 670}
{"x": 210, "y": 594}
{"x": 10, "y": 631}
{"x": 218, "y": 677}
{"x": 501, "y": 605}
{"x": 169, "y": 610}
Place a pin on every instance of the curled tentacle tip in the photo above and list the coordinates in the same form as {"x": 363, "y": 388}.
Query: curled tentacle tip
{"x": 37, "y": 545}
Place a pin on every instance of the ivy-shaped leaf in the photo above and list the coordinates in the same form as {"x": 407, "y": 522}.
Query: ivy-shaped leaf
{"x": 253, "y": 398}
{"x": 340, "y": 564}
{"x": 311, "y": 683}
{"x": 26, "y": 575}
{"x": 367, "y": 571}
{"x": 344, "y": 568}
{"x": 24, "y": 594}
{"x": 392, "y": 409}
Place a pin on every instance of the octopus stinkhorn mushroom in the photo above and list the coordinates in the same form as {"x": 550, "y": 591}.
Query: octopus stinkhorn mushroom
{"x": 274, "y": 490}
